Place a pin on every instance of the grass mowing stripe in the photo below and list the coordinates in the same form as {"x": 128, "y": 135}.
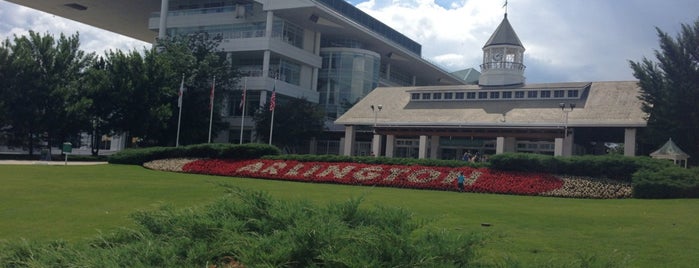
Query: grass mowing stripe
{"x": 74, "y": 202}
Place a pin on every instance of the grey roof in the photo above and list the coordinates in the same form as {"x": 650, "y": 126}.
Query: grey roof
{"x": 603, "y": 104}
{"x": 504, "y": 35}
{"x": 670, "y": 150}
{"x": 469, "y": 75}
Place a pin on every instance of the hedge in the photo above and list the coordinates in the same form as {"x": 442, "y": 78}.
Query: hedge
{"x": 674, "y": 182}
{"x": 211, "y": 150}
{"x": 375, "y": 160}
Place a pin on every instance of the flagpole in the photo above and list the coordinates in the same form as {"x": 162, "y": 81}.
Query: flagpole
{"x": 271, "y": 123}
{"x": 242, "y": 118}
{"x": 179, "y": 117}
{"x": 211, "y": 106}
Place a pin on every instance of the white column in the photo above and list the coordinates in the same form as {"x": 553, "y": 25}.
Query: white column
{"x": 266, "y": 57}
{"x": 434, "y": 147}
{"x": 630, "y": 142}
{"x": 390, "y": 142}
{"x": 162, "y": 26}
{"x": 499, "y": 145}
{"x": 568, "y": 144}
{"x": 376, "y": 145}
{"x": 558, "y": 147}
{"x": 270, "y": 23}
{"x": 422, "y": 151}
{"x": 349, "y": 140}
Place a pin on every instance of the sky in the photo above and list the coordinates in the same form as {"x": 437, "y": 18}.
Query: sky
{"x": 565, "y": 40}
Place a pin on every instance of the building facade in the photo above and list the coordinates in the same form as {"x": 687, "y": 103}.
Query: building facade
{"x": 326, "y": 51}
{"x": 500, "y": 114}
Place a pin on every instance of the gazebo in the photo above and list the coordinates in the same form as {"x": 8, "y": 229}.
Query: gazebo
{"x": 671, "y": 151}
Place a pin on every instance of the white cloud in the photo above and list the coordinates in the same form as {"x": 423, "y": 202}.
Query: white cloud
{"x": 572, "y": 40}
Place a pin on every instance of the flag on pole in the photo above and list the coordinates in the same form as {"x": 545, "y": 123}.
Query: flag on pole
{"x": 245, "y": 88}
{"x": 273, "y": 100}
{"x": 180, "y": 93}
{"x": 211, "y": 95}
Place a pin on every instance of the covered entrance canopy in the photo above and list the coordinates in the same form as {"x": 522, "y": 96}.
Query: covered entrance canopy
{"x": 671, "y": 151}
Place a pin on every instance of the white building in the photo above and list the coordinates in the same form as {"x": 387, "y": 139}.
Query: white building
{"x": 326, "y": 51}
{"x": 500, "y": 114}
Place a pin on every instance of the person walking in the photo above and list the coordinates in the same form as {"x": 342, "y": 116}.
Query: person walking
{"x": 460, "y": 181}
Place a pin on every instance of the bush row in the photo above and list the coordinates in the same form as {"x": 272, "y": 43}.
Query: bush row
{"x": 673, "y": 182}
{"x": 211, "y": 150}
{"x": 614, "y": 167}
{"x": 651, "y": 178}
{"x": 376, "y": 160}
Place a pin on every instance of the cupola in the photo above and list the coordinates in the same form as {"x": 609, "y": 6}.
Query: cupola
{"x": 503, "y": 58}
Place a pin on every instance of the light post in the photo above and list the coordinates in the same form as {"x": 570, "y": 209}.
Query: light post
{"x": 376, "y": 109}
{"x": 376, "y": 141}
{"x": 566, "y": 110}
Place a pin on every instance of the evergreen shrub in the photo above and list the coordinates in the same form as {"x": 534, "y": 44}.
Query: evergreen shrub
{"x": 251, "y": 228}
{"x": 671, "y": 182}
{"x": 212, "y": 150}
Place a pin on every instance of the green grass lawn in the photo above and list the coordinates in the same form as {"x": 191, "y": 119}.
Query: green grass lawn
{"x": 75, "y": 203}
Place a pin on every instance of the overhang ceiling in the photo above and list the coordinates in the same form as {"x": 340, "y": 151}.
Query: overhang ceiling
{"x": 125, "y": 17}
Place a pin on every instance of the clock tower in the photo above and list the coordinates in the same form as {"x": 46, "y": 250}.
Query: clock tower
{"x": 503, "y": 58}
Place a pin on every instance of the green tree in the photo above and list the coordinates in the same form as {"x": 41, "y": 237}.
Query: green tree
{"x": 296, "y": 121}
{"x": 670, "y": 89}
{"x": 42, "y": 100}
{"x": 199, "y": 59}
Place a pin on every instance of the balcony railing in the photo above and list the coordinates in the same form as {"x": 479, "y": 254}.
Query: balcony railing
{"x": 503, "y": 65}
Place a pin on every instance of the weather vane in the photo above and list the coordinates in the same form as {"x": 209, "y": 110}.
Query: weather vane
{"x": 505, "y": 6}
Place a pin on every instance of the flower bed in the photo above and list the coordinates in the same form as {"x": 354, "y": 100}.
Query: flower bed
{"x": 480, "y": 180}
{"x": 418, "y": 177}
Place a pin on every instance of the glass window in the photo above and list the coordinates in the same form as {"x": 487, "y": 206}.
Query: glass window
{"x": 558, "y": 93}
{"x": 448, "y": 95}
{"x": 545, "y": 94}
{"x": 459, "y": 95}
{"x": 425, "y": 96}
{"x": 572, "y": 93}
{"x": 507, "y": 94}
{"x": 437, "y": 96}
{"x": 415, "y": 96}
{"x": 519, "y": 94}
{"x": 532, "y": 94}
{"x": 470, "y": 95}
{"x": 495, "y": 95}
{"x": 482, "y": 95}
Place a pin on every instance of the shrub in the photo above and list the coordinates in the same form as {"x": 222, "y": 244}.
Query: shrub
{"x": 252, "y": 229}
{"x": 608, "y": 166}
{"x": 213, "y": 150}
{"x": 375, "y": 160}
{"x": 672, "y": 182}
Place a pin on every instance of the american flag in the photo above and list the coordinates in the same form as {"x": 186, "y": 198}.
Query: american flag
{"x": 242, "y": 102}
{"x": 211, "y": 95}
{"x": 273, "y": 100}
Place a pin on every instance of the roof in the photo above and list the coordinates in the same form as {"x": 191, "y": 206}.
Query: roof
{"x": 504, "y": 35}
{"x": 469, "y": 75}
{"x": 670, "y": 150}
{"x": 604, "y": 104}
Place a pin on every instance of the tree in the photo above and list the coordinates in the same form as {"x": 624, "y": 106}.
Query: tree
{"x": 199, "y": 59}
{"x": 295, "y": 122}
{"x": 670, "y": 90}
{"x": 41, "y": 100}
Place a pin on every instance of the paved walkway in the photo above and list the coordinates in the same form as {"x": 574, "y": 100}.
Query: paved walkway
{"x": 53, "y": 163}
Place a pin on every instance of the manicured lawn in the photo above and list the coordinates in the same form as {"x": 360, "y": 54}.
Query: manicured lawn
{"x": 76, "y": 202}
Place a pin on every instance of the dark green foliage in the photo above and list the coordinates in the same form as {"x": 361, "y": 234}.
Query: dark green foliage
{"x": 253, "y": 229}
{"x": 295, "y": 122}
{"x": 374, "y": 160}
{"x": 212, "y": 150}
{"x": 674, "y": 182}
{"x": 670, "y": 90}
{"x": 615, "y": 167}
